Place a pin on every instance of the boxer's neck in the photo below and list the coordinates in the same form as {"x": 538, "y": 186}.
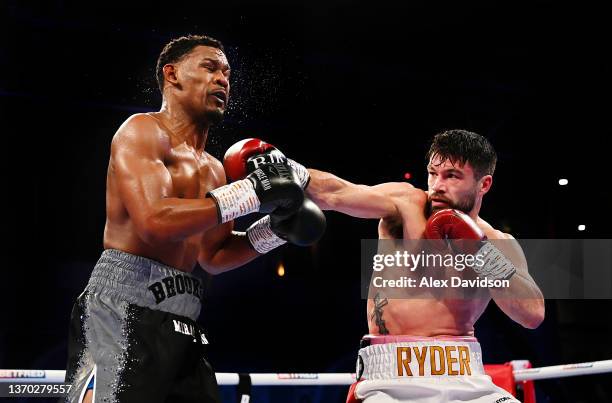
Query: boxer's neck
{"x": 183, "y": 127}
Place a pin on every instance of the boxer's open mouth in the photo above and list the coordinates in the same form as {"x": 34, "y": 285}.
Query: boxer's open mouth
{"x": 220, "y": 95}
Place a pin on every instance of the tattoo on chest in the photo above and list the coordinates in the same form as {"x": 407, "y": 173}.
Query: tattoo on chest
{"x": 376, "y": 316}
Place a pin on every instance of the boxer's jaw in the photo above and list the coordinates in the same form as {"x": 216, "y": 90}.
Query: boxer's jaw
{"x": 451, "y": 185}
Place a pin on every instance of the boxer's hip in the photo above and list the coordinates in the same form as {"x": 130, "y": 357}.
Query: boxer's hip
{"x": 134, "y": 331}
{"x": 406, "y": 357}
{"x": 424, "y": 369}
{"x": 125, "y": 278}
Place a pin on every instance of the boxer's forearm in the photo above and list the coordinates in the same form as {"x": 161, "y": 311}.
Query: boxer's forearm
{"x": 174, "y": 219}
{"x": 523, "y": 301}
{"x": 235, "y": 251}
{"x": 330, "y": 192}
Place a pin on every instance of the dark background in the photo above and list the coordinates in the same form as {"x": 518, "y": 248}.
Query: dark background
{"x": 353, "y": 88}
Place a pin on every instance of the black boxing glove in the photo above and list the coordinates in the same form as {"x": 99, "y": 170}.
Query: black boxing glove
{"x": 274, "y": 154}
{"x": 271, "y": 188}
{"x": 303, "y": 228}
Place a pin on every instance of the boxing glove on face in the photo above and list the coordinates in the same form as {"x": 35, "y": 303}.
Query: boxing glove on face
{"x": 469, "y": 238}
{"x": 237, "y": 158}
{"x": 452, "y": 224}
{"x": 248, "y": 155}
{"x": 277, "y": 190}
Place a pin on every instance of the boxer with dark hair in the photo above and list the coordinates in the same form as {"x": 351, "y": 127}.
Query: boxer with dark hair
{"x": 411, "y": 339}
{"x": 133, "y": 334}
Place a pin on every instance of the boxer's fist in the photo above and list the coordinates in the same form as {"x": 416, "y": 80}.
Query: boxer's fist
{"x": 452, "y": 224}
{"x": 276, "y": 188}
{"x": 270, "y": 188}
{"x": 469, "y": 238}
{"x": 248, "y": 155}
{"x": 303, "y": 228}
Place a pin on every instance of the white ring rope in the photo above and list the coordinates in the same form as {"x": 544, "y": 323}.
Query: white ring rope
{"x": 562, "y": 371}
{"x": 304, "y": 379}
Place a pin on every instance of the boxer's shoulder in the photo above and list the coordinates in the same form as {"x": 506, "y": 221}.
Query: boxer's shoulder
{"x": 403, "y": 191}
{"x": 491, "y": 232}
{"x": 141, "y": 121}
{"x": 143, "y": 132}
{"x": 213, "y": 161}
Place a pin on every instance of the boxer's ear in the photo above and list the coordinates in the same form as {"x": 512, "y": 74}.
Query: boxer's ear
{"x": 170, "y": 74}
{"x": 485, "y": 184}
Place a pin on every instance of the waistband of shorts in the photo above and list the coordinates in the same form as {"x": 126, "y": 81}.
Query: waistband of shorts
{"x": 135, "y": 261}
{"x": 404, "y": 357}
{"x": 146, "y": 282}
{"x": 370, "y": 339}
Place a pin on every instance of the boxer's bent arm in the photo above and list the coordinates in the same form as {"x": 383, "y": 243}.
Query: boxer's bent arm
{"x": 523, "y": 301}
{"x": 330, "y": 192}
{"x": 223, "y": 249}
{"x": 144, "y": 184}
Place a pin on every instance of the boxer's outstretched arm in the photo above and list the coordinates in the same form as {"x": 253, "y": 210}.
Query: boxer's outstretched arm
{"x": 330, "y": 192}
{"x": 145, "y": 183}
{"x": 523, "y": 301}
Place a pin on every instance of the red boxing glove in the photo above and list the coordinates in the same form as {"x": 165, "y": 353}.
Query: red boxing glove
{"x": 351, "y": 398}
{"x": 452, "y": 224}
{"x": 238, "y": 161}
{"x": 469, "y": 238}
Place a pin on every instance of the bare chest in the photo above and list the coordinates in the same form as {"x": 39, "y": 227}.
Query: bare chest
{"x": 192, "y": 175}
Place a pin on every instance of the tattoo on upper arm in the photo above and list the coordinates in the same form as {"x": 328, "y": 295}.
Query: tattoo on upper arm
{"x": 376, "y": 316}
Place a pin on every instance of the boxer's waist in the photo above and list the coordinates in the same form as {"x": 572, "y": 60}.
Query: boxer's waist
{"x": 402, "y": 357}
{"x": 146, "y": 282}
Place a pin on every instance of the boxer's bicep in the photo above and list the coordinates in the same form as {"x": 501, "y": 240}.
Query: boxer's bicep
{"x": 142, "y": 178}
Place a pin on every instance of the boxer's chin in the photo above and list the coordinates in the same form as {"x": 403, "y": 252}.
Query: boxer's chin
{"x": 465, "y": 206}
{"x": 433, "y": 209}
{"x": 215, "y": 116}
{"x": 430, "y": 208}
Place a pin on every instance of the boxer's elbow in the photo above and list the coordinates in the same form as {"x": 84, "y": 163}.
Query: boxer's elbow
{"x": 536, "y": 315}
{"x": 153, "y": 233}
{"x": 154, "y": 230}
{"x": 212, "y": 266}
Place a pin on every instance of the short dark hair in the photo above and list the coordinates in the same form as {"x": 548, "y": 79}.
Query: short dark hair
{"x": 463, "y": 146}
{"x": 177, "y": 48}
